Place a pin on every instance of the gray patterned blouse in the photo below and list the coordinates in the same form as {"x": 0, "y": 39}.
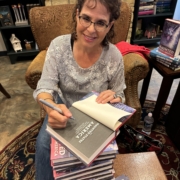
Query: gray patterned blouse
{"x": 64, "y": 77}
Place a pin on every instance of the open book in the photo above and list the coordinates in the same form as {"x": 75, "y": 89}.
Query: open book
{"x": 94, "y": 127}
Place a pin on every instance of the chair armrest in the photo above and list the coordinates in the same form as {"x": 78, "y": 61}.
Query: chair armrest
{"x": 135, "y": 68}
{"x": 34, "y": 70}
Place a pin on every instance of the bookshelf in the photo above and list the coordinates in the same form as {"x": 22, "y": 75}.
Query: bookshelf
{"x": 22, "y": 31}
{"x": 145, "y": 20}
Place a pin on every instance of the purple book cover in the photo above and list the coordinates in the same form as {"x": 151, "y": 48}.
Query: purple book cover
{"x": 170, "y": 38}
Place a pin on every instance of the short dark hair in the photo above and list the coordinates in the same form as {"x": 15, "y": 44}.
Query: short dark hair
{"x": 113, "y": 6}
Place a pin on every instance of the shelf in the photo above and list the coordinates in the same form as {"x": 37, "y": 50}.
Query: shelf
{"x": 145, "y": 40}
{"x": 24, "y": 51}
{"x": 156, "y": 15}
{"x": 14, "y": 27}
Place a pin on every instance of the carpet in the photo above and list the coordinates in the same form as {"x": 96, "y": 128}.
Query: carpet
{"x": 170, "y": 156}
{"x": 17, "y": 158}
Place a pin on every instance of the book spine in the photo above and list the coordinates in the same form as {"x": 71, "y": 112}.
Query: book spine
{"x": 162, "y": 10}
{"x": 167, "y": 63}
{"x": 146, "y": 12}
{"x": 146, "y": 3}
{"x": 169, "y": 60}
{"x": 176, "y": 61}
{"x": 163, "y": 3}
{"x": 143, "y": 8}
{"x": 170, "y": 67}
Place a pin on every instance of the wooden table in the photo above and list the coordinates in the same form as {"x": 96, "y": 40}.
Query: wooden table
{"x": 168, "y": 77}
{"x": 139, "y": 166}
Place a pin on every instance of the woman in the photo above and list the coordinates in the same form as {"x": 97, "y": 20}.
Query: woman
{"x": 77, "y": 64}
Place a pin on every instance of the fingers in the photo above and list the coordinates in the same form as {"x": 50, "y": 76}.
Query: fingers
{"x": 107, "y": 96}
{"x": 57, "y": 120}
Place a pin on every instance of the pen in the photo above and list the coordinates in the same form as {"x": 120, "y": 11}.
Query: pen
{"x": 53, "y": 107}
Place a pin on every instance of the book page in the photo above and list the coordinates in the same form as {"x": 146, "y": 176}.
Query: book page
{"x": 104, "y": 113}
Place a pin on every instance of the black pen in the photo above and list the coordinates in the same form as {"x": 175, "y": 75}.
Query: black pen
{"x": 53, "y": 107}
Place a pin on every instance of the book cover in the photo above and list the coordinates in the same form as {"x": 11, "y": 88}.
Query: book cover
{"x": 59, "y": 154}
{"x": 91, "y": 121}
{"x": 170, "y": 38}
{"x": 5, "y": 16}
{"x": 156, "y": 53}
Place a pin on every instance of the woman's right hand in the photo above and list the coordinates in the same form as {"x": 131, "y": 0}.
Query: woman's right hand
{"x": 57, "y": 120}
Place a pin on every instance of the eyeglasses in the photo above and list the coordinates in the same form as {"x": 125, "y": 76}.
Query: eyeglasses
{"x": 86, "y": 22}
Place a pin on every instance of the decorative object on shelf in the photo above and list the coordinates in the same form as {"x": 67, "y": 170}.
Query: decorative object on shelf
{"x": 151, "y": 31}
{"x": 5, "y": 16}
{"x": 170, "y": 38}
{"x": 16, "y": 43}
{"x": 19, "y": 15}
{"x": 28, "y": 44}
{"x": 139, "y": 31}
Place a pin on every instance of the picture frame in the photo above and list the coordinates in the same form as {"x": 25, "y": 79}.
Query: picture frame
{"x": 5, "y": 16}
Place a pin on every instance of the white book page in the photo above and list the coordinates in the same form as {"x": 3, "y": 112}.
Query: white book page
{"x": 104, "y": 113}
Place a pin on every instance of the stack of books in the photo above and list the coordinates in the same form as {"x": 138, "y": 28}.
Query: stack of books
{"x": 146, "y": 7}
{"x": 168, "y": 52}
{"x": 171, "y": 63}
{"x": 163, "y": 6}
{"x": 67, "y": 166}
{"x": 86, "y": 148}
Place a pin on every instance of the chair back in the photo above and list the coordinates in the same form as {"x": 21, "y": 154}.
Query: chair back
{"x": 48, "y": 22}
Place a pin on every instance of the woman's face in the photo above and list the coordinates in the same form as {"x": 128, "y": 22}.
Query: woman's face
{"x": 89, "y": 36}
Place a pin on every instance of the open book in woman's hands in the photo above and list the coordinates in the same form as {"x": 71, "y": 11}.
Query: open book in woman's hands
{"x": 94, "y": 127}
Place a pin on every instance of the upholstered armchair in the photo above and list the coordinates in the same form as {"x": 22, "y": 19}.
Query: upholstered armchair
{"x": 48, "y": 22}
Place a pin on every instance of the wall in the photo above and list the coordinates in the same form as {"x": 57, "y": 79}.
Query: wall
{"x": 130, "y": 2}
{"x": 177, "y": 11}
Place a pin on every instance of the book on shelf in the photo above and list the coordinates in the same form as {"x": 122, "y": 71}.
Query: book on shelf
{"x": 170, "y": 38}
{"x": 29, "y": 6}
{"x": 5, "y": 16}
{"x": 162, "y": 10}
{"x": 148, "y": 12}
{"x": 145, "y": 8}
{"x": 95, "y": 126}
{"x": 59, "y": 154}
{"x": 167, "y": 65}
{"x": 163, "y": 3}
{"x": 145, "y": 3}
{"x": 156, "y": 53}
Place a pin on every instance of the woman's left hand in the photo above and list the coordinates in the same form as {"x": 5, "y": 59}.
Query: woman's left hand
{"x": 107, "y": 96}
